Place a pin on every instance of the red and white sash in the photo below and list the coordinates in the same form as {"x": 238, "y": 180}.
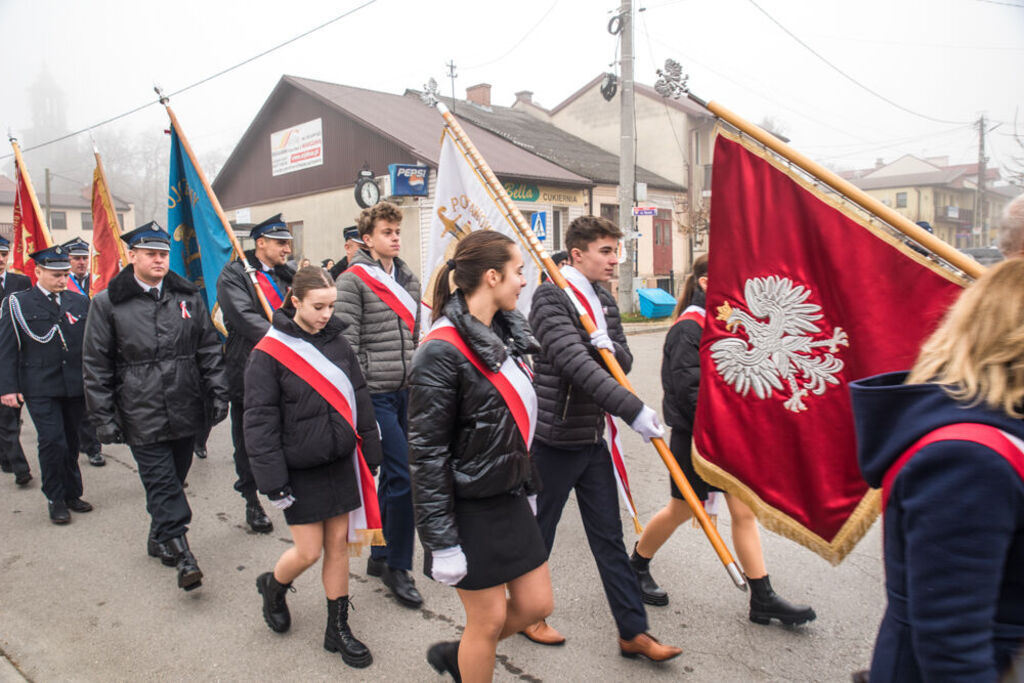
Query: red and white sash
{"x": 587, "y": 297}
{"x": 1003, "y": 443}
{"x": 712, "y": 505}
{"x": 512, "y": 380}
{"x": 333, "y": 385}
{"x": 275, "y": 297}
{"x": 390, "y": 292}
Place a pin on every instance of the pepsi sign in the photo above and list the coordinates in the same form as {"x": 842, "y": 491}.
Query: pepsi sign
{"x": 409, "y": 180}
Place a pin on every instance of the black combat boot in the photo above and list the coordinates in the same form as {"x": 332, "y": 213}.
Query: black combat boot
{"x": 190, "y": 576}
{"x": 275, "y": 609}
{"x": 652, "y": 592}
{"x": 159, "y": 550}
{"x": 255, "y": 517}
{"x": 338, "y": 637}
{"x": 766, "y": 604}
{"x": 444, "y": 657}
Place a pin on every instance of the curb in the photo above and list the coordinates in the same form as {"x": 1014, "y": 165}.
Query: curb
{"x": 645, "y": 328}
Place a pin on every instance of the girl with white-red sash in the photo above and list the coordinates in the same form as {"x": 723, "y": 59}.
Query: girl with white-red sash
{"x": 312, "y": 440}
{"x": 471, "y": 420}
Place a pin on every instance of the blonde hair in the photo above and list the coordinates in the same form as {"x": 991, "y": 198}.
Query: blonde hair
{"x": 978, "y": 350}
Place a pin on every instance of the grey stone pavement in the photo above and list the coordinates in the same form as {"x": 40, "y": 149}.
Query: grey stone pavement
{"x": 85, "y": 602}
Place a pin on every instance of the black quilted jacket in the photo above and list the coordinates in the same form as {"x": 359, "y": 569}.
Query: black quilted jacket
{"x": 574, "y": 390}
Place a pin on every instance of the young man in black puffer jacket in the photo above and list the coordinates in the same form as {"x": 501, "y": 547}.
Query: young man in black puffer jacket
{"x": 575, "y": 391}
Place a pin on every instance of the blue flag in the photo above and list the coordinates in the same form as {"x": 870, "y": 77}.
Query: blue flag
{"x": 199, "y": 246}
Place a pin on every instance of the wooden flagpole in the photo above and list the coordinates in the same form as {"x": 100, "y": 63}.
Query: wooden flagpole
{"x": 239, "y": 252}
{"x": 430, "y": 98}
{"x": 943, "y": 250}
{"x": 31, "y": 193}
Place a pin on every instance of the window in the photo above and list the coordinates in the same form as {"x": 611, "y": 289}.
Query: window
{"x": 86, "y": 220}
{"x": 58, "y": 220}
{"x": 901, "y": 200}
{"x": 120, "y": 220}
{"x": 611, "y": 212}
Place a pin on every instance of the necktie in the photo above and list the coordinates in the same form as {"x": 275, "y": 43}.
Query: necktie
{"x": 155, "y": 293}
{"x": 53, "y": 298}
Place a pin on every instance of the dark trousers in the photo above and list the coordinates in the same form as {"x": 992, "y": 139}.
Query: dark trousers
{"x": 394, "y": 492}
{"x": 57, "y": 420}
{"x": 246, "y": 484}
{"x": 12, "y": 457}
{"x": 588, "y": 471}
{"x": 163, "y": 467}
{"x": 87, "y": 441}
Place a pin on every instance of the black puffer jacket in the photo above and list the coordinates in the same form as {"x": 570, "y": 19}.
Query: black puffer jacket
{"x": 574, "y": 389}
{"x": 680, "y": 370}
{"x": 244, "y": 319}
{"x": 149, "y": 364}
{"x": 288, "y": 426}
{"x": 463, "y": 441}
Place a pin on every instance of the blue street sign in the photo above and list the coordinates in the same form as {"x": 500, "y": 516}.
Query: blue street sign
{"x": 538, "y": 223}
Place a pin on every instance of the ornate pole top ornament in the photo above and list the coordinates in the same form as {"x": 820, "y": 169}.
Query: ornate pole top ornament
{"x": 430, "y": 93}
{"x": 672, "y": 82}
{"x": 164, "y": 99}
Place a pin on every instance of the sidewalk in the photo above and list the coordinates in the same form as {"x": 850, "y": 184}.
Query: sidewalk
{"x": 657, "y": 325}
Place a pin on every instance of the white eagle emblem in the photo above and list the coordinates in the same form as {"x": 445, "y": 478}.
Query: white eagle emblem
{"x": 779, "y": 349}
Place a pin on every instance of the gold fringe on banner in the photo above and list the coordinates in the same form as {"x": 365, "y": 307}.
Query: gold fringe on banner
{"x": 365, "y": 537}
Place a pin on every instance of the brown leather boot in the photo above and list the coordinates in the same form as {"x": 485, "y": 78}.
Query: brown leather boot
{"x": 542, "y": 634}
{"x": 647, "y": 645}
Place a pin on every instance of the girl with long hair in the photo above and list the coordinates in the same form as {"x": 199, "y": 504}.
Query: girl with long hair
{"x": 471, "y": 420}
{"x": 312, "y": 439}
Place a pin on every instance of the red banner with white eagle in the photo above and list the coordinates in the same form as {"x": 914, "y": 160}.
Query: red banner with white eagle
{"x": 805, "y": 294}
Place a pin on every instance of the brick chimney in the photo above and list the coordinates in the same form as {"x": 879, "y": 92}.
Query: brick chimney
{"x": 479, "y": 94}
{"x": 524, "y": 96}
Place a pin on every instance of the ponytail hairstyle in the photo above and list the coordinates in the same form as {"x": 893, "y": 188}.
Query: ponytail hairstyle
{"x": 475, "y": 254}
{"x": 306, "y": 279}
{"x": 700, "y": 269}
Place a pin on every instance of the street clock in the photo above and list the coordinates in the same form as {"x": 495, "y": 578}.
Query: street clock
{"x": 367, "y": 190}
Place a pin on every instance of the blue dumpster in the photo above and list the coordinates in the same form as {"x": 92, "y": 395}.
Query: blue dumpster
{"x": 655, "y": 303}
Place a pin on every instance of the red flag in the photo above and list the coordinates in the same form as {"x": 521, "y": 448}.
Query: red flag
{"x": 804, "y": 296}
{"x": 108, "y": 254}
{"x": 30, "y": 231}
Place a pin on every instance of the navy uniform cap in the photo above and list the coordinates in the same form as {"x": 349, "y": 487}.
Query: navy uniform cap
{"x": 148, "y": 236}
{"x": 274, "y": 228}
{"x": 352, "y": 233}
{"x": 5, "y": 244}
{"x": 52, "y": 258}
{"x": 77, "y": 247}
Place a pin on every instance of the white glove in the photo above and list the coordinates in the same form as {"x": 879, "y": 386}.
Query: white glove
{"x": 283, "y": 503}
{"x": 648, "y": 425}
{"x": 532, "y": 500}
{"x": 600, "y": 339}
{"x": 448, "y": 565}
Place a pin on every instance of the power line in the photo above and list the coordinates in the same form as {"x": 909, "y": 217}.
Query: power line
{"x": 518, "y": 42}
{"x": 139, "y": 108}
{"x": 846, "y": 75}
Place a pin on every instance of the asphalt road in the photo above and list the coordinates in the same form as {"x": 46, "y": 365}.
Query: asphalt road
{"x": 85, "y": 602}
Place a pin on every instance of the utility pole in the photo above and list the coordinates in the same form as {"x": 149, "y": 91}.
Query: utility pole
{"x": 452, "y": 75}
{"x": 47, "y": 197}
{"x": 627, "y": 159}
{"x": 979, "y": 197}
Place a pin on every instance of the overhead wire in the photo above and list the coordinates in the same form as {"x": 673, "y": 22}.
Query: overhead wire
{"x": 218, "y": 74}
{"x": 518, "y": 42}
{"x": 845, "y": 75}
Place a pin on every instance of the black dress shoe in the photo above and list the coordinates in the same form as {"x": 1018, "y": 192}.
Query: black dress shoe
{"x": 59, "y": 513}
{"x": 200, "y": 452}
{"x": 190, "y": 576}
{"x": 96, "y": 459}
{"x": 78, "y": 505}
{"x": 402, "y": 586}
{"x": 23, "y": 479}
{"x": 155, "y": 548}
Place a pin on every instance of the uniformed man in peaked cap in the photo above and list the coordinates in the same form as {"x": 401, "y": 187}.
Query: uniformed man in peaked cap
{"x": 152, "y": 365}
{"x": 80, "y": 281}
{"x": 41, "y": 367}
{"x": 246, "y": 323}
{"x": 12, "y": 457}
